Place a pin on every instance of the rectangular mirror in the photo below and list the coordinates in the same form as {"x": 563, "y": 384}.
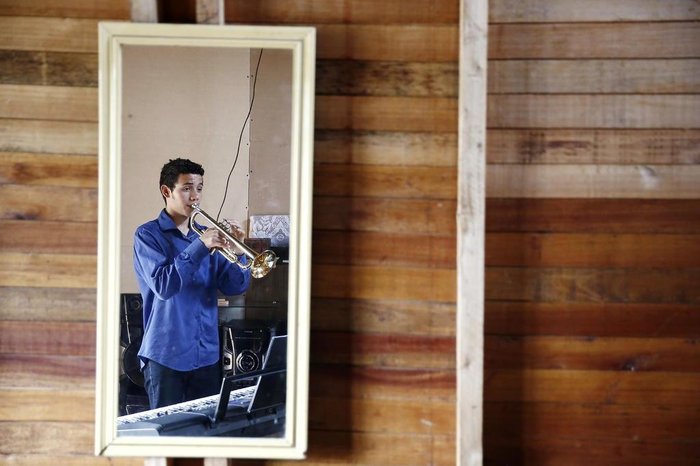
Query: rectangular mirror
{"x": 239, "y": 101}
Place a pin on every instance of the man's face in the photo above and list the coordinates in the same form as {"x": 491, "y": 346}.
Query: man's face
{"x": 187, "y": 191}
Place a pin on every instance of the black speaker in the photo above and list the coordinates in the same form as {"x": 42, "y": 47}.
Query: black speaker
{"x": 132, "y": 396}
{"x": 243, "y": 346}
{"x": 131, "y": 318}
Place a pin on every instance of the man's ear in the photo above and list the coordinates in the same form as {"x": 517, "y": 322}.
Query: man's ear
{"x": 165, "y": 191}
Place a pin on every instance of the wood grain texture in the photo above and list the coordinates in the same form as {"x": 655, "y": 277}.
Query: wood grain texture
{"x": 48, "y": 34}
{"x": 48, "y": 270}
{"x": 44, "y": 136}
{"x": 48, "y": 68}
{"x": 48, "y": 304}
{"x": 53, "y": 203}
{"x": 48, "y": 237}
{"x": 25, "y": 168}
{"x": 641, "y": 320}
{"x": 108, "y": 9}
{"x": 419, "y": 11}
{"x": 48, "y": 103}
{"x": 594, "y": 111}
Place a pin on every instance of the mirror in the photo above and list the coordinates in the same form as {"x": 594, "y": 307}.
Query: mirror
{"x": 237, "y": 100}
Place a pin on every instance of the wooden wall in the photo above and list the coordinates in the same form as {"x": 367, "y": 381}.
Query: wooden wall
{"x": 593, "y": 229}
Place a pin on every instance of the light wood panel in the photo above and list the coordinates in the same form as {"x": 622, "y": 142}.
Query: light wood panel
{"x": 52, "y": 270}
{"x": 48, "y": 34}
{"x": 47, "y": 304}
{"x": 52, "y": 203}
{"x": 48, "y": 103}
{"x": 48, "y": 169}
{"x": 43, "y": 136}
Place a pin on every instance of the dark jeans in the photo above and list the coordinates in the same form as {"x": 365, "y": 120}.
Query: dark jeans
{"x": 167, "y": 386}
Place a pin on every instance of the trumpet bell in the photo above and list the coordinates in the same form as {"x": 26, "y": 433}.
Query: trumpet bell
{"x": 263, "y": 263}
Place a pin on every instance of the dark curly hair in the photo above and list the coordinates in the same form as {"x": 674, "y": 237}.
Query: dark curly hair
{"x": 172, "y": 170}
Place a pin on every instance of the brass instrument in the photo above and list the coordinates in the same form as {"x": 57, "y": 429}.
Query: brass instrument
{"x": 259, "y": 264}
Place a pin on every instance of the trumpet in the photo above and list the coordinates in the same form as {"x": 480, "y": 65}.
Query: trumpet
{"x": 260, "y": 264}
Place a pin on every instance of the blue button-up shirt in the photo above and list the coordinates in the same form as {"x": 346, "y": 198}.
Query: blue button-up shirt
{"x": 179, "y": 279}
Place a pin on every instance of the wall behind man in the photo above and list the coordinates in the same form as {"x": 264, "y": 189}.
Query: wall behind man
{"x": 592, "y": 241}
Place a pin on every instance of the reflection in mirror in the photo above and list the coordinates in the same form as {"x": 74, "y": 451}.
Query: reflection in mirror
{"x": 205, "y": 165}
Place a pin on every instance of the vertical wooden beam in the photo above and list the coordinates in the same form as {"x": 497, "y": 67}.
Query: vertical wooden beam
{"x": 470, "y": 230}
{"x": 144, "y": 11}
{"x": 210, "y": 11}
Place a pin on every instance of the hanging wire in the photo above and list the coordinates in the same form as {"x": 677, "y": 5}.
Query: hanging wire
{"x": 240, "y": 137}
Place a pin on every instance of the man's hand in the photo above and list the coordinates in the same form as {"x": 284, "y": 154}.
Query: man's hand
{"x": 212, "y": 238}
{"x": 235, "y": 230}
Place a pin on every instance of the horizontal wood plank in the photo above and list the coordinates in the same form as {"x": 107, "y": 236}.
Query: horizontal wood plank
{"x": 386, "y": 148}
{"x": 513, "y": 146}
{"x": 597, "y": 146}
{"x": 50, "y": 338}
{"x": 48, "y": 68}
{"x": 48, "y": 34}
{"x": 65, "y": 459}
{"x": 48, "y": 304}
{"x": 48, "y": 103}
{"x": 386, "y": 78}
{"x": 30, "y": 203}
{"x": 592, "y": 250}
{"x": 593, "y": 215}
{"x": 662, "y": 76}
{"x": 424, "y": 11}
{"x": 104, "y": 9}
{"x": 383, "y": 316}
{"x": 437, "y": 115}
{"x": 418, "y": 216}
{"x": 342, "y": 11}
{"x": 47, "y": 371}
{"x": 47, "y": 405}
{"x": 592, "y": 387}
{"x": 48, "y": 270}
{"x": 48, "y": 237}
{"x": 46, "y": 136}
{"x": 391, "y": 351}
{"x": 593, "y": 181}
{"x": 592, "y": 353}
{"x": 415, "y": 42}
{"x": 592, "y": 285}
{"x": 601, "y": 422}
{"x": 60, "y": 438}
{"x": 535, "y": 76}
{"x": 65, "y": 170}
{"x": 640, "y": 320}
{"x": 385, "y": 181}
{"x": 376, "y": 282}
{"x": 594, "y": 111}
{"x": 594, "y": 40}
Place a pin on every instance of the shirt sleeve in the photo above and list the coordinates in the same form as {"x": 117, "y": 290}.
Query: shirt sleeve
{"x": 232, "y": 280}
{"x": 161, "y": 272}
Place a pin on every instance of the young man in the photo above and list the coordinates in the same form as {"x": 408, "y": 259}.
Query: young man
{"x": 179, "y": 281}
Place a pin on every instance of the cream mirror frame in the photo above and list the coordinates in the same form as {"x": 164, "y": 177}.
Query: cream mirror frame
{"x": 114, "y": 37}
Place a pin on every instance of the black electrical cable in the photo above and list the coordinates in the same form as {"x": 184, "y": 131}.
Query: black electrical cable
{"x": 240, "y": 137}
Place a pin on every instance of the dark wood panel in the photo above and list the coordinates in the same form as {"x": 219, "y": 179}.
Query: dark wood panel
{"x": 592, "y": 387}
{"x": 386, "y": 78}
{"x": 397, "y": 351}
{"x": 531, "y": 451}
{"x": 107, "y": 9}
{"x": 420, "y": 11}
{"x": 592, "y": 250}
{"x": 601, "y": 422}
{"x": 592, "y": 285}
{"x": 592, "y": 353}
{"x": 593, "y": 319}
{"x": 48, "y": 68}
{"x": 593, "y": 215}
